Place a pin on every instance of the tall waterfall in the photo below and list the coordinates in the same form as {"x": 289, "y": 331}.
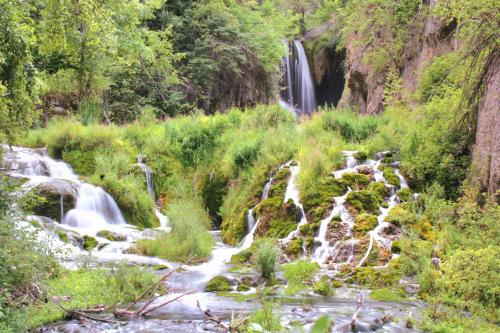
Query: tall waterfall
{"x": 299, "y": 94}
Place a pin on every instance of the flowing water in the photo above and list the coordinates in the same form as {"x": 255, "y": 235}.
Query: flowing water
{"x": 96, "y": 210}
{"x": 298, "y": 95}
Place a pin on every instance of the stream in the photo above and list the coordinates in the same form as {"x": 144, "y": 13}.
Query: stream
{"x": 95, "y": 210}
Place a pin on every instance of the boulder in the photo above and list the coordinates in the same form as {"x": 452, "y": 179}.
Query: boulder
{"x": 55, "y": 193}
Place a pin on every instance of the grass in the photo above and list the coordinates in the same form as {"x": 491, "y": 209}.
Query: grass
{"x": 298, "y": 275}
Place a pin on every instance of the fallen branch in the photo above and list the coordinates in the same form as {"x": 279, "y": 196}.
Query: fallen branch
{"x": 233, "y": 326}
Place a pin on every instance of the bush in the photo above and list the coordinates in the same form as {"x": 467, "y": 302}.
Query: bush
{"x": 265, "y": 257}
{"x": 189, "y": 237}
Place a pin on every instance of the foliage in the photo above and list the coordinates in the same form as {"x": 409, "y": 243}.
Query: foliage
{"x": 266, "y": 255}
{"x": 299, "y": 274}
{"x": 218, "y": 283}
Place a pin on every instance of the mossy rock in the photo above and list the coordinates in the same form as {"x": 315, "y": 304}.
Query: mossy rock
{"x": 376, "y": 278}
{"x": 323, "y": 287}
{"x": 241, "y": 257}
{"x": 111, "y": 236}
{"x": 282, "y": 175}
{"x": 364, "y": 223}
{"x": 380, "y": 189}
{"x": 294, "y": 163}
{"x": 336, "y": 284}
{"x": 89, "y": 242}
{"x": 243, "y": 287}
{"x": 213, "y": 190}
{"x": 355, "y": 180}
{"x": 309, "y": 243}
{"x": 405, "y": 195}
{"x": 294, "y": 247}
{"x": 160, "y": 267}
{"x": 62, "y": 235}
{"x": 279, "y": 183}
{"x": 390, "y": 157}
{"x": 318, "y": 202}
{"x": 361, "y": 156}
{"x": 391, "y": 176}
{"x": 218, "y": 283}
{"x": 309, "y": 229}
{"x": 277, "y": 219}
{"x": 363, "y": 201}
{"x": 401, "y": 217}
{"x": 50, "y": 194}
{"x": 233, "y": 231}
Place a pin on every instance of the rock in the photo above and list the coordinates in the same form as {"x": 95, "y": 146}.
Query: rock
{"x": 409, "y": 286}
{"x": 89, "y": 243}
{"x": 436, "y": 262}
{"x": 52, "y": 191}
{"x": 160, "y": 267}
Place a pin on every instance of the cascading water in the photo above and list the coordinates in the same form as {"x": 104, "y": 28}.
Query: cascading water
{"x": 299, "y": 94}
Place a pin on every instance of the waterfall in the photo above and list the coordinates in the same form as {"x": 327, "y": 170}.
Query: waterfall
{"x": 299, "y": 94}
{"x": 94, "y": 207}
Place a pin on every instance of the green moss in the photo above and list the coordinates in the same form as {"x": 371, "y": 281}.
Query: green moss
{"x": 277, "y": 219}
{"x": 309, "y": 243}
{"x": 62, "y": 235}
{"x": 363, "y": 201}
{"x": 364, "y": 223}
{"x": 355, "y": 180}
{"x": 405, "y": 195}
{"x": 294, "y": 247}
{"x": 89, "y": 242}
{"x": 401, "y": 217}
{"x": 309, "y": 229}
{"x": 396, "y": 247}
{"x": 386, "y": 294}
{"x": 160, "y": 267}
{"x": 336, "y": 284}
{"x": 243, "y": 287}
{"x": 391, "y": 176}
{"x": 361, "y": 156}
{"x": 218, "y": 283}
{"x": 323, "y": 287}
{"x": 379, "y": 188}
{"x": 111, "y": 236}
{"x": 213, "y": 189}
{"x": 82, "y": 162}
{"x": 320, "y": 200}
{"x": 241, "y": 257}
{"x": 377, "y": 278}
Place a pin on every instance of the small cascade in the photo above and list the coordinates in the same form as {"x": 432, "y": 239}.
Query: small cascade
{"x": 292, "y": 193}
{"x": 299, "y": 94}
{"x": 94, "y": 207}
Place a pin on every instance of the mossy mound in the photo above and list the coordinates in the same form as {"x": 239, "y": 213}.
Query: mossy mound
{"x": 380, "y": 189}
{"x": 279, "y": 183}
{"x": 62, "y": 235}
{"x": 309, "y": 229}
{"x": 396, "y": 247}
{"x": 243, "y": 287}
{"x": 361, "y": 156}
{"x": 89, "y": 243}
{"x": 160, "y": 267}
{"x": 401, "y": 217}
{"x": 277, "y": 219}
{"x": 364, "y": 223}
{"x": 363, "y": 201}
{"x": 356, "y": 181}
{"x": 391, "y": 176}
{"x": 218, "y": 283}
{"x": 405, "y": 195}
{"x": 82, "y": 162}
{"x": 294, "y": 247}
{"x": 111, "y": 236}
{"x": 233, "y": 231}
{"x": 319, "y": 202}
{"x": 323, "y": 287}
{"x": 242, "y": 257}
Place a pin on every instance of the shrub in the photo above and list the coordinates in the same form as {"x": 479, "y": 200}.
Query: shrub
{"x": 265, "y": 257}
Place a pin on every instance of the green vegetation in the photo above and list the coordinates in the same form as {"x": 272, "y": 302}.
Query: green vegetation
{"x": 299, "y": 274}
{"x": 364, "y": 223}
{"x": 218, "y": 283}
{"x": 323, "y": 287}
{"x": 363, "y": 202}
{"x": 266, "y": 257}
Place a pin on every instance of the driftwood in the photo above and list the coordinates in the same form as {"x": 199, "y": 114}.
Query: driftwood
{"x": 232, "y": 327}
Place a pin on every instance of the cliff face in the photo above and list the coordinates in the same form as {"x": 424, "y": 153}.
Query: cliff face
{"x": 486, "y": 151}
{"x": 427, "y": 38}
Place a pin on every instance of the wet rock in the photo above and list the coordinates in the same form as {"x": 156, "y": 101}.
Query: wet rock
{"x": 365, "y": 170}
{"x": 436, "y": 262}
{"x": 89, "y": 243}
{"x": 58, "y": 196}
{"x": 409, "y": 286}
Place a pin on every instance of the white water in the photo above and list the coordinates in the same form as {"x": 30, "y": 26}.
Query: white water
{"x": 299, "y": 96}
{"x": 292, "y": 192}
